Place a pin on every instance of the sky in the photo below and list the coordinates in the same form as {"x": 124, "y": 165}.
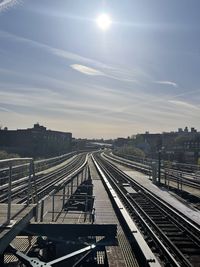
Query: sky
{"x": 58, "y": 68}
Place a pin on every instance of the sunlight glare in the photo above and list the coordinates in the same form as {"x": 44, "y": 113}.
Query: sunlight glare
{"x": 104, "y": 22}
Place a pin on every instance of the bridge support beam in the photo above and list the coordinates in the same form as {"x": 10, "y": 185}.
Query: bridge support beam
{"x": 70, "y": 231}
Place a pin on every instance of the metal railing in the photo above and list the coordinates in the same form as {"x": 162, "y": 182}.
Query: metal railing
{"x": 165, "y": 164}
{"x": 167, "y": 173}
{"x": 9, "y": 165}
{"x": 54, "y": 203}
{"x": 44, "y": 164}
{"x": 14, "y": 169}
{"x": 21, "y": 170}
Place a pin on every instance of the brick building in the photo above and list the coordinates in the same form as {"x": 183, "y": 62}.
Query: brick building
{"x": 182, "y": 145}
{"x": 36, "y": 141}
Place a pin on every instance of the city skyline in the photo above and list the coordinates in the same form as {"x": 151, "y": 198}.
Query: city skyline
{"x": 59, "y": 68}
{"x": 183, "y": 130}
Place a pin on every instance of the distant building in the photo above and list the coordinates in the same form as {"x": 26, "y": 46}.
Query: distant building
{"x": 121, "y": 141}
{"x": 182, "y": 145}
{"x": 36, "y": 141}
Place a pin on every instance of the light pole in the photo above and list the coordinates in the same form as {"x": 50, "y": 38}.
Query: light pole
{"x": 159, "y": 165}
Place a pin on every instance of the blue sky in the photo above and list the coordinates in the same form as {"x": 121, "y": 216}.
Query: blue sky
{"x": 59, "y": 69}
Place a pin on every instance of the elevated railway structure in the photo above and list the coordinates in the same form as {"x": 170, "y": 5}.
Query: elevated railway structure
{"x": 79, "y": 209}
{"x": 52, "y": 223}
{"x": 184, "y": 183}
{"x": 173, "y": 237}
{"x": 189, "y": 172}
{"x": 37, "y": 184}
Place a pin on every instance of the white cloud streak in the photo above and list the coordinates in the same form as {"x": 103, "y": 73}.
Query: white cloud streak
{"x": 4, "y": 4}
{"x": 86, "y": 70}
{"x": 109, "y": 72}
{"x": 112, "y": 72}
{"x": 5, "y": 109}
{"x": 184, "y": 104}
{"x": 170, "y": 83}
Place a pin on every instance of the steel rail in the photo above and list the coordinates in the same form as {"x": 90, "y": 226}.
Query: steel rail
{"x": 167, "y": 205}
{"x": 113, "y": 174}
{"x": 146, "y": 169}
{"x": 145, "y": 255}
{"x": 58, "y": 182}
{"x": 194, "y": 174}
{"x": 176, "y": 165}
{"x": 44, "y": 183}
{"x": 44, "y": 188}
{"x": 21, "y": 169}
{"x": 39, "y": 179}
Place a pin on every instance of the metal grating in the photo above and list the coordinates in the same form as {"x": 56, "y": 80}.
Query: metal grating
{"x": 121, "y": 255}
{"x": 23, "y": 244}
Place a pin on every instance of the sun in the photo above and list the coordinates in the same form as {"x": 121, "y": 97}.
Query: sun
{"x": 104, "y": 21}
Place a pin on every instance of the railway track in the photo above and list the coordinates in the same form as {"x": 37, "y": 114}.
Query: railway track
{"x": 173, "y": 238}
{"x": 42, "y": 184}
{"x": 184, "y": 178}
{"x": 185, "y": 167}
{"x": 22, "y": 170}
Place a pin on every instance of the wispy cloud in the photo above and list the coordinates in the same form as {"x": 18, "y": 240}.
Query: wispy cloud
{"x": 113, "y": 72}
{"x": 55, "y": 51}
{"x": 5, "y": 109}
{"x": 170, "y": 83}
{"x": 4, "y": 4}
{"x": 184, "y": 104}
{"x": 106, "y": 71}
{"x": 86, "y": 70}
{"x": 68, "y": 55}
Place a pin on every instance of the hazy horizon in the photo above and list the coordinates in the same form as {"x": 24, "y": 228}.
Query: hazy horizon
{"x": 101, "y": 137}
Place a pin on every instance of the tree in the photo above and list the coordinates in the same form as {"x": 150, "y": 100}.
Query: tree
{"x": 6, "y": 155}
{"x": 182, "y": 139}
{"x": 131, "y": 150}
